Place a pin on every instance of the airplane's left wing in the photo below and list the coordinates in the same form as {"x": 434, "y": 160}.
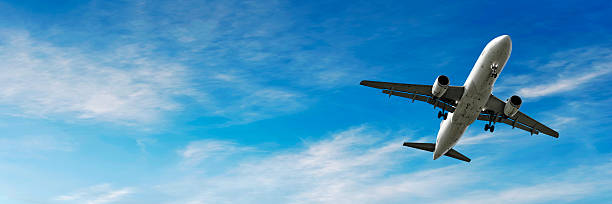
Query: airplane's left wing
{"x": 495, "y": 112}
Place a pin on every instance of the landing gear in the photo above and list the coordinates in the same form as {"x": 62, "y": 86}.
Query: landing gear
{"x": 442, "y": 115}
{"x": 494, "y": 68}
{"x": 491, "y": 127}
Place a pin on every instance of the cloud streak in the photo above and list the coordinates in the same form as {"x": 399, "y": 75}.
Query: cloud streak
{"x": 359, "y": 166}
{"x": 561, "y": 73}
{"x": 127, "y": 86}
{"x": 35, "y": 145}
{"x": 198, "y": 151}
{"x": 98, "y": 194}
{"x": 355, "y": 165}
{"x": 241, "y": 67}
{"x": 575, "y": 184}
{"x": 563, "y": 84}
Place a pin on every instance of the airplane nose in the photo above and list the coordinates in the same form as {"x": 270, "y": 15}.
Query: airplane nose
{"x": 505, "y": 37}
{"x": 504, "y": 42}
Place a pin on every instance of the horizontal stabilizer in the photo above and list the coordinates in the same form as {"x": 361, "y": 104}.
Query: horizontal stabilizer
{"x": 430, "y": 147}
{"x": 422, "y": 146}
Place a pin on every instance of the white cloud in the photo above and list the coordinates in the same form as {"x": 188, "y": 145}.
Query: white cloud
{"x": 142, "y": 143}
{"x": 260, "y": 42}
{"x": 480, "y": 138}
{"x": 563, "y": 84}
{"x": 562, "y": 72}
{"x": 364, "y": 166}
{"x": 562, "y": 121}
{"x": 356, "y": 165}
{"x": 127, "y": 84}
{"x": 572, "y": 185}
{"x": 237, "y": 66}
{"x": 122, "y": 86}
{"x": 554, "y": 191}
{"x": 34, "y": 145}
{"x": 198, "y": 151}
{"x": 242, "y": 99}
{"x": 98, "y": 194}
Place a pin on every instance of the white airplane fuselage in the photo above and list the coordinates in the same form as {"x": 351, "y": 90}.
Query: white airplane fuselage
{"x": 478, "y": 87}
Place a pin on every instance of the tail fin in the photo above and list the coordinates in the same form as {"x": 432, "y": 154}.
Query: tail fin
{"x": 430, "y": 147}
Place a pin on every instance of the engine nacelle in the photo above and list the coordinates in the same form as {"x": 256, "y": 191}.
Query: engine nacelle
{"x": 512, "y": 106}
{"x": 440, "y": 86}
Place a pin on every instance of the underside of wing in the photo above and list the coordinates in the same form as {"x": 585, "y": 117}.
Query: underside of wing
{"x": 453, "y": 93}
{"x": 495, "y": 113}
{"x": 418, "y": 92}
{"x": 408, "y": 88}
{"x": 437, "y": 103}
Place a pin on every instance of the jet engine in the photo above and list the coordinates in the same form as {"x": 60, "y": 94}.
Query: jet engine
{"x": 440, "y": 86}
{"x": 512, "y": 105}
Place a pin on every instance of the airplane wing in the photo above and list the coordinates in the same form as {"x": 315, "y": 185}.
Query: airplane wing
{"x": 494, "y": 111}
{"x": 419, "y": 92}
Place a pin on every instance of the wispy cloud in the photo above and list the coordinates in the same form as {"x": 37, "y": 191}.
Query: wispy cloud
{"x": 243, "y": 100}
{"x": 360, "y": 165}
{"x": 98, "y": 194}
{"x": 238, "y": 66}
{"x": 572, "y": 185}
{"x": 562, "y": 121}
{"x": 261, "y": 42}
{"x": 356, "y": 165}
{"x": 480, "y": 138}
{"x": 123, "y": 86}
{"x": 562, "y": 72}
{"x": 563, "y": 83}
{"x": 198, "y": 151}
{"x": 126, "y": 85}
{"x": 35, "y": 145}
{"x": 476, "y": 136}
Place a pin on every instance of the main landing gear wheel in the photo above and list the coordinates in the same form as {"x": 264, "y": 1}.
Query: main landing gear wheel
{"x": 490, "y": 128}
{"x": 442, "y": 115}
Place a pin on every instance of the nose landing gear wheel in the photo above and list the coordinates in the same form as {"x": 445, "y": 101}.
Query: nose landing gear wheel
{"x": 439, "y": 114}
{"x": 492, "y": 128}
{"x": 445, "y": 116}
{"x": 486, "y": 127}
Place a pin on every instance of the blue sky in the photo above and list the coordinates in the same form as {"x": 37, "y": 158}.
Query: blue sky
{"x": 259, "y": 102}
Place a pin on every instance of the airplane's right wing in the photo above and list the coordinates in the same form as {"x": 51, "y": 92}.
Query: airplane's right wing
{"x": 494, "y": 112}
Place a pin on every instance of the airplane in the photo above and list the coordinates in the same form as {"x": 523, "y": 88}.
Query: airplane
{"x": 462, "y": 105}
